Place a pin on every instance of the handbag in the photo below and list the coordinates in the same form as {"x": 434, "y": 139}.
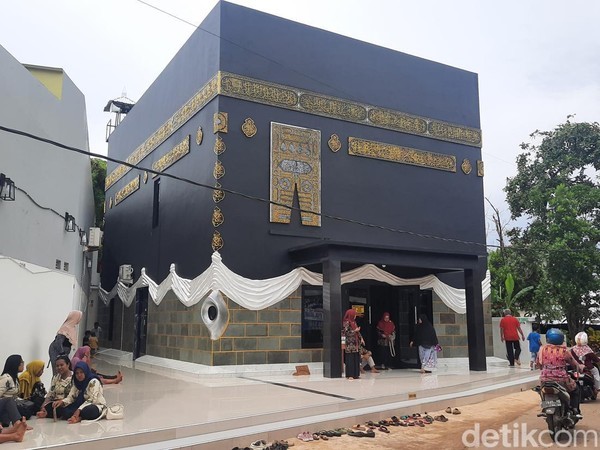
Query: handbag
{"x": 38, "y": 395}
{"x": 115, "y": 412}
{"x": 26, "y": 408}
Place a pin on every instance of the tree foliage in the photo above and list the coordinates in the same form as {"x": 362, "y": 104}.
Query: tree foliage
{"x": 98, "y": 178}
{"x": 557, "y": 191}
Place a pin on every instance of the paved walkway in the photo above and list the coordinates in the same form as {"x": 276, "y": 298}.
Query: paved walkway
{"x": 179, "y": 405}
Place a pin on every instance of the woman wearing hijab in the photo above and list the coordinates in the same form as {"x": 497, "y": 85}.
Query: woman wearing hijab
{"x": 351, "y": 337}
{"x": 60, "y": 387}
{"x": 84, "y": 354}
{"x": 586, "y": 356}
{"x": 32, "y": 374}
{"x": 426, "y": 339}
{"x": 66, "y": 337}
{"x": 86, "y": 399}
{"x": 386, "y": 330}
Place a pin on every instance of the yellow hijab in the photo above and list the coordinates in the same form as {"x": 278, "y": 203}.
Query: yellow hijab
{"x": 29, "y": 377}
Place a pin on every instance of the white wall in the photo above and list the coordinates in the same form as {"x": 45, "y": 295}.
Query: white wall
{"x": 35, "y": 302}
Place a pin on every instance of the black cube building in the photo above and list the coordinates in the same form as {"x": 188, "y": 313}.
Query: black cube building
{"x": 309, "y": 154}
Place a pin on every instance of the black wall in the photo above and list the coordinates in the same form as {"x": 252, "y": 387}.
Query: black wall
{"x": 416, "y": 199}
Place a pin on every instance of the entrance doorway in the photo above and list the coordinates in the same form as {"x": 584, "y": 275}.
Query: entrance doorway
{"x": 404, "y": 304}
{"x": 140, "y": 323}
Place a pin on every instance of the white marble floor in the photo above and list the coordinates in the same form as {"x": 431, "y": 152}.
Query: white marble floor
{"x": 181, "y": 409}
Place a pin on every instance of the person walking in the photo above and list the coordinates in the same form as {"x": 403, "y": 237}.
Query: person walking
{"x": 426, "y": 339}
{"x": 535, "y": 342}
{"x": 510, "y": 328}
{"x": 66, "y": 338}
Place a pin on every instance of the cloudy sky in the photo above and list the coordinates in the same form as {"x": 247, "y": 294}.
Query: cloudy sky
{"x": 538, "y": 61}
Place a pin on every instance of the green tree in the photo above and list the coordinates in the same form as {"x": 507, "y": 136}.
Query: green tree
{"x": 557, "y": 192}
{"x": 98, "y": 177}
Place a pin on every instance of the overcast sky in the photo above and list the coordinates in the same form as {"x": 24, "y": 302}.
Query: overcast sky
{"x": 538, "y": 61}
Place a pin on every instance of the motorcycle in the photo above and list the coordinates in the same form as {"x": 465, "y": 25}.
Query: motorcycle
{"x": 556, "y": 407}
{"x": 586, "y": 384}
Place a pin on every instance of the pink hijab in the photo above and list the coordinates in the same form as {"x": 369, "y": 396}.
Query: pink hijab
{"x": 80, "y": 356}
{"x": 69, "y": 327}
{"x": 350, "y": 317}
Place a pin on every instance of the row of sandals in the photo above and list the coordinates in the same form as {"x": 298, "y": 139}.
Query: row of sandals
{"x": 366, "y": 430}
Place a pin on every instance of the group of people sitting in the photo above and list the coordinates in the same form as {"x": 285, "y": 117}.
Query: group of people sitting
{"x": 75, "y": 392}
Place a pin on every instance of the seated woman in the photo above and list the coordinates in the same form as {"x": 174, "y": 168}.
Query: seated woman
{"x": 9, "y": 390}
{"x": 84, "y": 354}
{"x": 60, "y": 387}
{"x": 9, "y": 380}
{"x": 29, "y": 378}
{"x": 16, "y": 433}
{"x": 86, "y": 399}
{"x": 586, "y": 356}
{"x": 366, "y": 357}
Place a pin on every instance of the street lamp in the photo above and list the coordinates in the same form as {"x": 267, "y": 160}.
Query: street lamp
{"x": 69, "y": 222}
{"x": 7, "y": 188}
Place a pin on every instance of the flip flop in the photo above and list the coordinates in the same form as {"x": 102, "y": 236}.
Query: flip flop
{"x": 384, "y": 429}
{"x": 441, "y": 418}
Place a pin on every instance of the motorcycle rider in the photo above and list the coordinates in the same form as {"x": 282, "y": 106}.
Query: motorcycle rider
{"x": 586, "y": 356}
{"x": 553, "y": 359}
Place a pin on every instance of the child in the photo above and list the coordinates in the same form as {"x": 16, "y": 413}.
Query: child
{"x": 86, "y": 338}
{"x": 535, "y": 342}
{"x": 93, "y": 340}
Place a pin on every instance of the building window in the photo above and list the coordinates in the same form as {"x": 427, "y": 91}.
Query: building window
{"x": 156, "y": 203}
{"x": 312, "y": 317}
{"x": 58, "y": 264}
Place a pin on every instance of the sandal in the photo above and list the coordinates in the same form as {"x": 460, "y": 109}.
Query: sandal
{"x": 441, "y": 418}
{"x": 403, "y": 423}
{"x": 259, "y": 445}
{"x": 384, "y": 429}
{"x": 305, "y": 436}
{"x": 370, "y": 433}
{"x": 455, "y": 411}
{"x": 356, "y": 434}
{"x": 449, "y": 410}
{"x": 420, "y": 423}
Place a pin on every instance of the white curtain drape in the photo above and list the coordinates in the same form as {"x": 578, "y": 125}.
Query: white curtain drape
{"x": 260, "y": 294}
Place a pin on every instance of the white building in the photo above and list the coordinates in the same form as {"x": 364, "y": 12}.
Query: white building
{"x": 44, "y": 269}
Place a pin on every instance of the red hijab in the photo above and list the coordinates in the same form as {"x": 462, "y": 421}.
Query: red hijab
{"x": 386, "y": 327}
{"x": 350, "y": 317}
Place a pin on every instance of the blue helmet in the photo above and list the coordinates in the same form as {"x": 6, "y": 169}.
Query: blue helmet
{"x": 555, "y": 336}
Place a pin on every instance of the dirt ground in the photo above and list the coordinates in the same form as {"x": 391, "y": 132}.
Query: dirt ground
{"x": 516, "y": 412}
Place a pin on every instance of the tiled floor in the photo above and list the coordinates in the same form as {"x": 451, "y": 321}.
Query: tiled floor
{"x": 185, "y": 406}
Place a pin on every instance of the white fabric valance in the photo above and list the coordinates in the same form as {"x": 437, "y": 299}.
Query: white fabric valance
{"x": 260, "y": 294}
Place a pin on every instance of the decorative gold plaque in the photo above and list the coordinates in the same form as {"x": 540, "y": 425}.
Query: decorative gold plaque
{"x": 466, "y": 166}
{"x": 219, "y": 170}
{"x": 403, "y": 155}
{"x": 479, "y": 168}
{"x": 178, "y": 152}
{"x": 238, "y": 86}
{"x": 183, "y": 114}
{"x": 334, "y": 143}
{"x": 199, "y": 136}
{"x": 295, "y": 167}
{"x": 217, "y": 217}
{"x": 129, "y": 189}
{"x": 220, "y": 120}
{"x": 249, "y": 128}
{"x": 218, "y": 194}
{"x": 220, "y": 146}
{"x": 217, "y": 241}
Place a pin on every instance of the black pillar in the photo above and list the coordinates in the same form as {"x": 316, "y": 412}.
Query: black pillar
{"x": 475, "y": 324}
{"x": 332, "y": 319}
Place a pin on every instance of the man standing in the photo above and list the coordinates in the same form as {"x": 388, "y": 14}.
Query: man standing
{"x": 510, "y": 328}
